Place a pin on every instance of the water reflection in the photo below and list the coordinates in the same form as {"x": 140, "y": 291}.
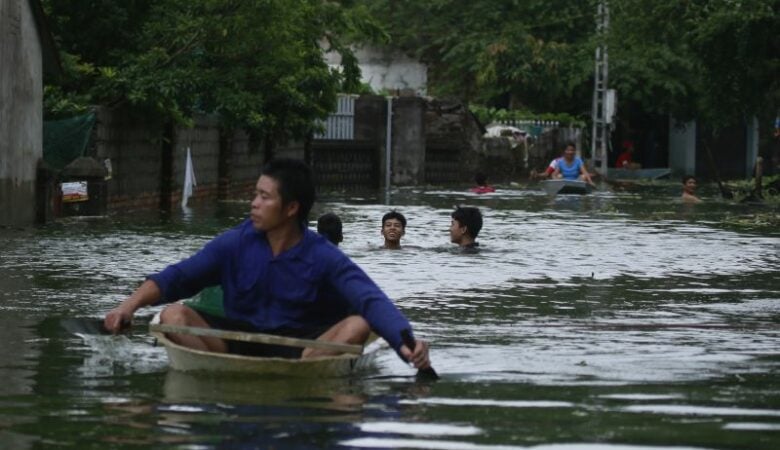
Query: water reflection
{"x": 333, "y": 394}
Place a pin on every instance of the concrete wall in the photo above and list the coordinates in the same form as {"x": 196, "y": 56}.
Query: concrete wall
{"x": 371, "y": 133}
{"x": 133, "y": 144}
{"x": 454, "y": 149}
{"x": 203, "y": 142}
{"x": 148, "y": 167}
{"x": 21, "y": 116}
{"x": 408, "y": 146}
{"x": 146, "y": 174}
{"x": 242, "y": 160}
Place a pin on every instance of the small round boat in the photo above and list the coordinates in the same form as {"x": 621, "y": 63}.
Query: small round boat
{"x": 188, "y": 359}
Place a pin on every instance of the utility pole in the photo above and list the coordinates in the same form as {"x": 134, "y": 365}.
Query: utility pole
{"x": 601, "y": 114}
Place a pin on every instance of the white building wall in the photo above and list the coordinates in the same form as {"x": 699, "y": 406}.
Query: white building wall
{"x": 387, "y": 70}
{"x": 682, "y": 147}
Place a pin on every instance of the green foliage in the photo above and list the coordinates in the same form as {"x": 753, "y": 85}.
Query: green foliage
{"x": 257, "y": 64}
{"x": 58, "y": 104}
{"x": 743, "y": 189}
{"x": 536, "y": 53}
{"x": 714, "y": 60}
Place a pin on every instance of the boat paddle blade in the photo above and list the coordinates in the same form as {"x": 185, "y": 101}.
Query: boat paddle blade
{"x": 422, "y": 374}
{"x": 88, "y": 325}
{"x": 79, "y": 325}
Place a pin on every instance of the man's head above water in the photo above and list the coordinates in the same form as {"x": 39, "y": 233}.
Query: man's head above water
{"x": 465, "y": 225}
{"x": 393, "y": 229}
{"x": 284, "y": 193}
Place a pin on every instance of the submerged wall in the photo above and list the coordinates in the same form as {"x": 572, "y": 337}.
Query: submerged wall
{"x": 433, "y": 142}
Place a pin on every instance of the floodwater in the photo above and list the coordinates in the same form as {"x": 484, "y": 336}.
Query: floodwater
{"x": 620, "y": 320}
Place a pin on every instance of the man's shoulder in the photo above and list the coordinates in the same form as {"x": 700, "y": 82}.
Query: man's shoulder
{"x": 316, "y": 242}
{"x": 237, "y": 235}
{"x": 321, "y": 251}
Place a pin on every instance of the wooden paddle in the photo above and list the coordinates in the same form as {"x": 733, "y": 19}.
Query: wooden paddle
{"x": 424, "y": 374}
{"x": 259, "y": 338}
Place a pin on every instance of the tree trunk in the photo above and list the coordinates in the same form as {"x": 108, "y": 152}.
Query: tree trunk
{"x": 758, "y": 189}
{"x": 724, "y": 191}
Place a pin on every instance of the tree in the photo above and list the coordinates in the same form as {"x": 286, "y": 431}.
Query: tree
{"x": 532, "y": 54}
{"x": 257, "y": 64}
{"x": 713, "y": 60}
{"x": 716, "y": 60}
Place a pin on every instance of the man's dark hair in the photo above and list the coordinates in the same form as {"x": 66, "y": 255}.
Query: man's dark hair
{"x": 295, "y": 183}
{"x": 571, "y": 144}
{"x": 394, "y": 215}
{"x": 481, "y": 179}
{"x": 687, "y": 177}
{"x": 470, "y": 218}
{"x": 329, "y": 225}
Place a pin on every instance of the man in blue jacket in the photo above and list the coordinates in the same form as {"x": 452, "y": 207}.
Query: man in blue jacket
{"x": 278, "y": 277}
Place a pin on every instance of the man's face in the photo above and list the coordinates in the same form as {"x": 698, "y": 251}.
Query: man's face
{"x": 392, "y": 230}
{"x": 456, "y": 231}
{"x": 569, "y": 152}
{"x": 690, "y": 186}
{"x": 267, "y": 211}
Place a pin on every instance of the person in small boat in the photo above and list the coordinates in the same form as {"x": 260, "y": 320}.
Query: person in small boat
{"x": 393, "y": 229}
{"x": 329, "y": 225}
{"x": 464, "y": 228}
{"x": 626, "y": 159}
{"x": 482, "y": 186}
{"x": 547, "y": 173}
{"x": 571, "y": 167}
{"x": 276, "y": 275}
{"x": 689, "y": 190}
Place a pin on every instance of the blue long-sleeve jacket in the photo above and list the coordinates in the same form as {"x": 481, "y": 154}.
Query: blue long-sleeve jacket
{"x": 311, "y": 284}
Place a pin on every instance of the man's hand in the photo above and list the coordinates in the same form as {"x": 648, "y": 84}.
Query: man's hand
{"x": 118, "y": 318}
{"x": 122, "y": 316}
{"x": 418, "y": 357}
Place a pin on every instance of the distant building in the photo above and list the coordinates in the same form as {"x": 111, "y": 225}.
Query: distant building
{"x": 734, "y": 150}
{"x": 386, "y": 69}
{"x": 27, "y": 51}
{"x": 660, "y": 140}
